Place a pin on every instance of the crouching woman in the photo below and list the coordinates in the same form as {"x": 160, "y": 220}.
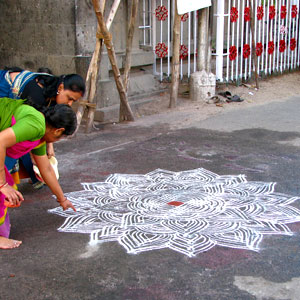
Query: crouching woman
{"x": 23, "y": 129}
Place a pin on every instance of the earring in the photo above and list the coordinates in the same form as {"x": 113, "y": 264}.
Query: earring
{"x": 57, "y": 92}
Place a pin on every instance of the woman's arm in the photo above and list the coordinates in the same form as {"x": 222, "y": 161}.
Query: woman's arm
{"x": 7, "y": 139}
{"x": 50, "y": 150}
{"x": 49, "y": 177}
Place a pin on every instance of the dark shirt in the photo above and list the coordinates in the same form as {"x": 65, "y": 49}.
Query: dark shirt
{"x": 34, "y": 92}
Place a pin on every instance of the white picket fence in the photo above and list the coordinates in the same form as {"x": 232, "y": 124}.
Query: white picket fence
{"x": 276, "y": 37}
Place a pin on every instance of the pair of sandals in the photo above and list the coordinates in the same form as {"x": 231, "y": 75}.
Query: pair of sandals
{"x": 230, "y": 98}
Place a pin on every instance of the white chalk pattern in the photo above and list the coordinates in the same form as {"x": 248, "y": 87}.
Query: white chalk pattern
{"x": 189, "y": 211}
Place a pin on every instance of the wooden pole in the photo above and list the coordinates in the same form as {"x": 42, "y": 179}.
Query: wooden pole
{"x": 175, "y": 59}
{"x": 132, "y": 22}
{"x": 93, "y": 84}
{"x": 107, "y": 39}
{"x": 254, "y": 57}
{"x": 128, "y": 55}
{"x": 91, "y": 99}
{"x": 92, "y": 74}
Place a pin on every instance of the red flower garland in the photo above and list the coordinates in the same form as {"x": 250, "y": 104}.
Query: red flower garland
{"x": 293, "y": 44}
{"x": 246, "y": 51}
{"x": 247, "y": 16}
{"x": 271, "y": 47}
{"x": 232, "y": 53}
{"x": 234, "y": 14}
{"x": 283, "y": 12}
{"x": 259, "y": 49}
{"x": 184, "y": 51}
{"x": 184, "y": 17}
{"x": 161, "y": 13}
{"x": 161, "y": 50}
{"x": 282, "y": 46}
{"x": 272, "y": 12}
{"x": 260, "y": 12}
{"x": 294, "y": 11}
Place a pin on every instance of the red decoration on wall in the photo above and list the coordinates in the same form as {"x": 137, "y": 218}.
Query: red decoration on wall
{"x": 260, "y": 12}
{"x": 161, "y": 13}
{"x": 271, "y": 47}
{"x": 283, "y": 12}
{"x": 246, "y": 51}
{"x": 282, "y": 46}
{"x": 259, "y": 49}
{"x": 234, "y": 14}
{"x": 161, "y": 50}
{"x": 247, "y": 16}
{"x": 184, "y": 51}
{"x": 293, "y": 44}
{"x": 272, "y": 12}
{"x": 184, "y": 17}
{"x": 294, "y": 11}
{"x": 232, "y": 53}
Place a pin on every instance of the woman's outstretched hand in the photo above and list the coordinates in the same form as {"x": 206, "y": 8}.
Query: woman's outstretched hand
{"x": 13, "y": 198}
{"x": 65, "y": 204}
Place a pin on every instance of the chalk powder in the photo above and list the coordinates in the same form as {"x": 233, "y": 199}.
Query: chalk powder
{"x": 189, "y": 211}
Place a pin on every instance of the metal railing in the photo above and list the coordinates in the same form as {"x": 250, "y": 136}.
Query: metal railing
{"x": 276, "y": 38}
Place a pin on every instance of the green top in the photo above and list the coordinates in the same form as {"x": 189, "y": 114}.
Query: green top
{"x": 30, "y": 123}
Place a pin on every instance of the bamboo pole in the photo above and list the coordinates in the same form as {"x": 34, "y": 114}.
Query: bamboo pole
{"x": 112, "y": 13}
{"x": 92, "y": 73}
{"x": 91, "y": 98}
{"x": 128, "y": 55}
{"x": 131, "y": 28}
{"x": 107, "y": 39}
{"x": 175, "y": 59}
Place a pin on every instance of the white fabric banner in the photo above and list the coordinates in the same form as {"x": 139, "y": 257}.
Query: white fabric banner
{"x": 185, "y": 6}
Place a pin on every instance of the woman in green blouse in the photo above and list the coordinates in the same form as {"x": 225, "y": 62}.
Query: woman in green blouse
{"x": 23, "y": 129}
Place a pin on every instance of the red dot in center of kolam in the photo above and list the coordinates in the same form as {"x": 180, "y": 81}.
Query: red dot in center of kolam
{"x": 175, "y": 203}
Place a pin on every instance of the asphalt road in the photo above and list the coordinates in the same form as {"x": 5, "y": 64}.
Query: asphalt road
{"x": 260, "y": 142}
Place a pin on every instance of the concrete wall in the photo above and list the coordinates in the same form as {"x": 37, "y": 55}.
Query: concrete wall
{"x": 61, "y": 35}
{"x": 86, "y": 25}
{"x": 38, "y": 33}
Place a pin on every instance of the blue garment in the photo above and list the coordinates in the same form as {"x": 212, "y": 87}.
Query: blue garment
{"x": 4, "y": 85}
{"x": 14, "y": 89}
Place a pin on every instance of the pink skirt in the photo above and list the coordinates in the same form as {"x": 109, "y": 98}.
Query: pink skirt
{"x": 5, "y": 227}
{"x": 4, "y": 219}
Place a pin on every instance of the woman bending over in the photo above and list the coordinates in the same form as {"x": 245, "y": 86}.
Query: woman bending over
{"x": 23, "y": 129}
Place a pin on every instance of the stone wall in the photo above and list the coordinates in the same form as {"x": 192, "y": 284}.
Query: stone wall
{"x": 61, "y": 35}
{"x": 38, "y": 33}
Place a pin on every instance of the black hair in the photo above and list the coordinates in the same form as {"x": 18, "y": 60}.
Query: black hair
{"x": 57, "y": 116}
{"x": 61, "y": 116}
{"x": 44, "y": 70}
{"x": 13, "y": 69}
{"x": 73, "y": 82}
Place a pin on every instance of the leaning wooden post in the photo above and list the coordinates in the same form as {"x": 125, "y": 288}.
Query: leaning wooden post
{"x": 127, "y": 64}
{"x": 91, "y": 77}
{"x": 175, "y": 59}
{"x": 132, "y": 22}
{"x": 127, "y": 113}
{"x": 92, "y": 109}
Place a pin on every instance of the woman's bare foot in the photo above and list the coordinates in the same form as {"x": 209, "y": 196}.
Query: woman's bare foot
{"x": 6, "y": 243}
